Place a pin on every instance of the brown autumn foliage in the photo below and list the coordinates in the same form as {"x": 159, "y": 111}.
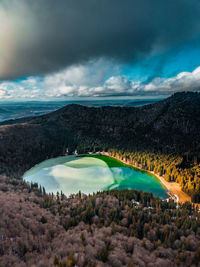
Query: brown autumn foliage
{"x": 104, "y": 229}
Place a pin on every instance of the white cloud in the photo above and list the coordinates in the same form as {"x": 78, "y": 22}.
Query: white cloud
{"x": 189, "y": 81}
{"x": 2, "y": 93}
{"x": 17, "y": 91}
{"x": 80, "y": 80}
{"x": 91, "y": 81}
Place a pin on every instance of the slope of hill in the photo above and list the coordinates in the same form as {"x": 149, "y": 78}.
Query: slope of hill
{"x": 168, "y": 126}
{"x": 114, "y": 228}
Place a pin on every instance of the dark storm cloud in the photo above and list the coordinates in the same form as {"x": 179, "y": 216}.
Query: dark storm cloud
{"x": 43, "y": 36}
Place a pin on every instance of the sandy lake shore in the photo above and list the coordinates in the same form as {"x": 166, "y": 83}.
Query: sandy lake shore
{"x": 173, "y": 188}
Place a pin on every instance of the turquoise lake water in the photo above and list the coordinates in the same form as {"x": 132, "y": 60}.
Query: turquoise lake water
{"x": 72, "y": 174}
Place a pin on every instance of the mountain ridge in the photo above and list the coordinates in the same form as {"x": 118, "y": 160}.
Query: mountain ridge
{"x": 168, "y": 126}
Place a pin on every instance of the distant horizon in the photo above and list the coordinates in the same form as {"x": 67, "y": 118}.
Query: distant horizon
{"x": 87, "y": 99}
{"x": 105, "y": 98}
{"x": 21, "y": 109}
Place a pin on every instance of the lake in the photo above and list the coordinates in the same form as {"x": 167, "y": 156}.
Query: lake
{"x": 91, "y": 173}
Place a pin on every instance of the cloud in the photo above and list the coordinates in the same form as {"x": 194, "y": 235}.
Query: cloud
{"x": 91, "y": 80}
{"x": 184, "y": 81}
{"x": 41, "y": 37}
{"x": 77, "y": 82}
{"x": 20, "y": 91}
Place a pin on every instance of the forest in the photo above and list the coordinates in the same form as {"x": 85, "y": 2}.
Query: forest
{"x": 164, "y": 137}
{"x": 110, "y": 228}
{"x": 168, "y": 166}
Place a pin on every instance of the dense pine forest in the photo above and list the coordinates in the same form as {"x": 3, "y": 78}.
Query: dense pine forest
{"x": 112, "y": 228}
{"x": 164, "y": 137}
{"x": 168, "y": 166}
{"x": 99, "y": 133}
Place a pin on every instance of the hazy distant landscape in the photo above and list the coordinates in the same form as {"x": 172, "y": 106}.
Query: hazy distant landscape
{"x": 15, "y": 110}
{"x": 99, "y": 133}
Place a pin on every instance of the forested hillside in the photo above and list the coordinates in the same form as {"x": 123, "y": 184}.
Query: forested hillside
{"x": 113, "y": 228}
{"x": 170, "y": 127}
{"x": 167, "y": 166}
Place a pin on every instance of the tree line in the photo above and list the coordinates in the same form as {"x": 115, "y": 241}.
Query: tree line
{"x": 167, "y": 166}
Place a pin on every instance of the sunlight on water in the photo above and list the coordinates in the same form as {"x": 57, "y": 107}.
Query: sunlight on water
{"x": 72, "y": 174}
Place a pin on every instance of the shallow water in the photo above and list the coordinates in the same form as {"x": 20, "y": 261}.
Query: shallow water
{"x": 72, "y": 174}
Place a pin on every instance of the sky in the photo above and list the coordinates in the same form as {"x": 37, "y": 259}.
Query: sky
{"x": 74, "y": 49}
